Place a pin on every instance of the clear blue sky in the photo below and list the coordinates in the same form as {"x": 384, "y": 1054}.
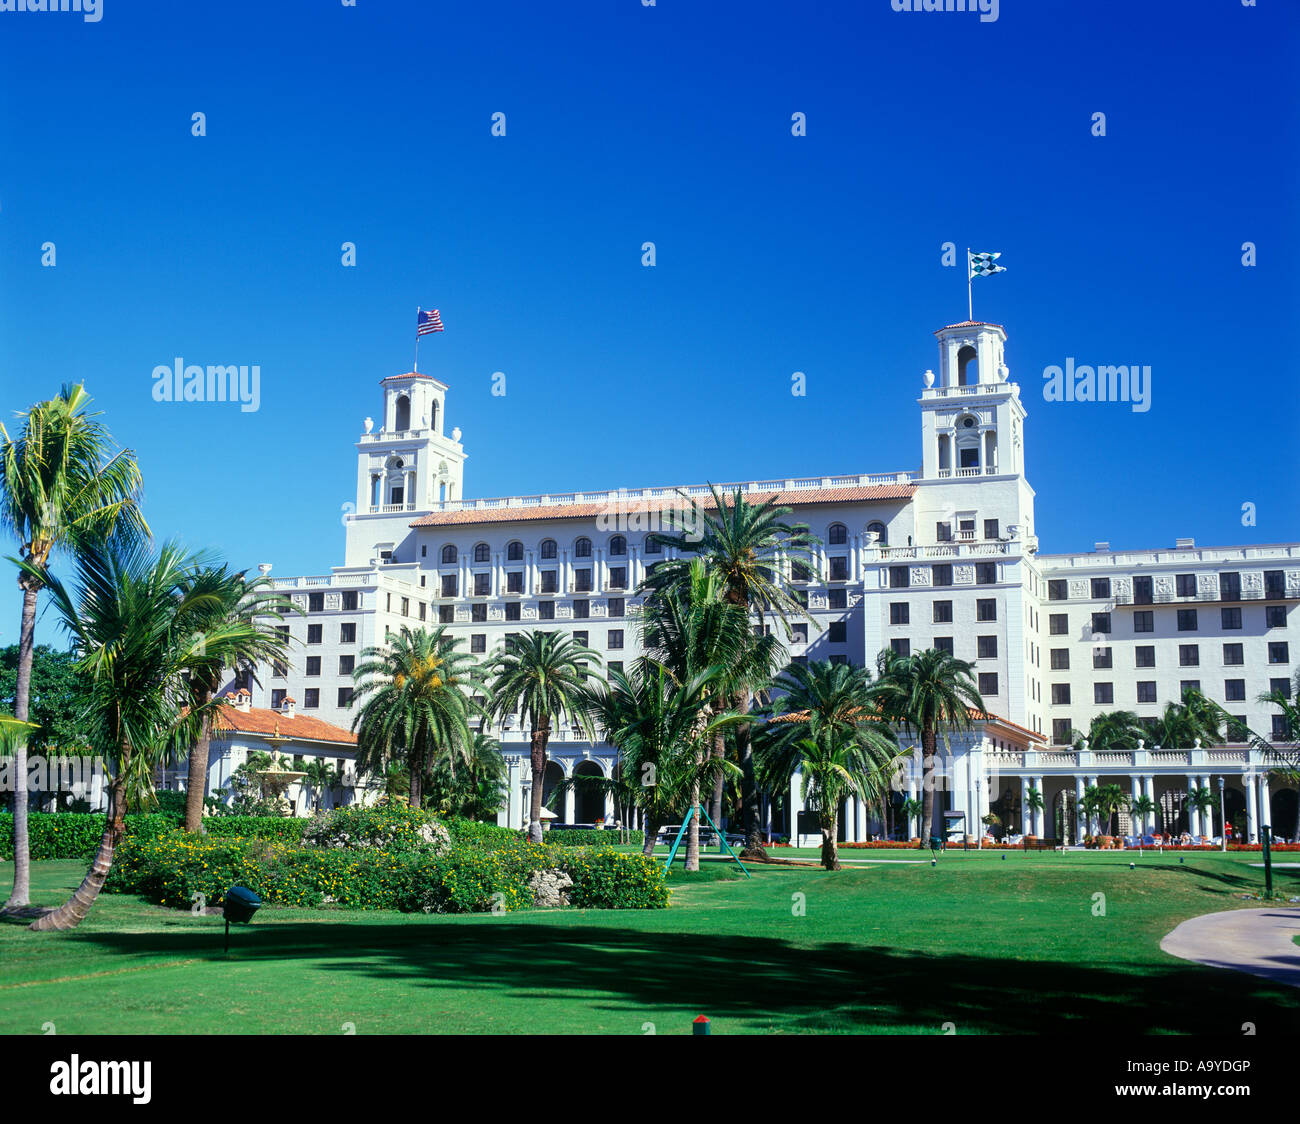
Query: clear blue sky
{"x": 776, "y": 254}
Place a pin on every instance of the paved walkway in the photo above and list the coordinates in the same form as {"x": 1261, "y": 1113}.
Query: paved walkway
{"x": 1258, "y": 941}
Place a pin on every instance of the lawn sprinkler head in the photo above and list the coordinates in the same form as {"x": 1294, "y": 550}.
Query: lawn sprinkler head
{"x": 1132, "y": 866}
{"x": 934, "y": 862}
{"x": 1004, "y": 858}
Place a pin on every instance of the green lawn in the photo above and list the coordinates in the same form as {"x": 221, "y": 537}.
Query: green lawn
{"x": 989, "y": 945}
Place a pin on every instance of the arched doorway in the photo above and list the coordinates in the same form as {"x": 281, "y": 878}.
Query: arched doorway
{"x": 1284, "y": 806}
{"x": 588, "y": 799}
{"x": 553, "y": 776}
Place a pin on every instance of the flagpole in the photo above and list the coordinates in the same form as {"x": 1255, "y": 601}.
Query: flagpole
{"x": 416, "y": 369}
{"x": 970, "y": 315}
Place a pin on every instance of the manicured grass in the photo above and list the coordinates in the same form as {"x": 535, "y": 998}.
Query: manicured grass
{"x": 989, "y": 945}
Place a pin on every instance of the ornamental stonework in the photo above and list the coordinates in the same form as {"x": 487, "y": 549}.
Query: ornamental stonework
{"x": 1207, "y": 585}
{"x": 333, "y": 602}
{"x": 817, "y": 601}
{"x": 963, "y": 574}
{"x": 1078, "y": 589}
{"x": 530, "y": 612}
{"x": 1122, "y": 587}
{"x": 1253, "y": 580}
{"x": 299, "y": 600}
{"x": 855, "y": 599}
{"x": 1164, "y": 586}
{"x": 497, "y": 613}
{"x": 920, "y": 575}
{"x": 1293, "y": 583}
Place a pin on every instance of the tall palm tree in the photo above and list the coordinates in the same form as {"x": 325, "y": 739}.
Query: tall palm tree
{"x": 415, "y": 699}
{"x": 236, "y": 615}
{"x": 742, "y": 544}
{"x": 832, "y": 734}
{"x": 62, "y": 487}
{"x": 133, "y": 619}
{"x": 926, "y": 693}
{"x": 1195, "y": 716}
{"x": 542, "y": 675}
{"x": 1115, "y": 729}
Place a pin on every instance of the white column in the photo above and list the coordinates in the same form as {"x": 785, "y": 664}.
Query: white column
{"x": 609, "y": 806}
{"x": 1093, "y": 826}
{"x": 567, "y": 810}
{"x": 1080, "y": 820}
{"x": 1252, "y": 812}
{"x": 1041, "y": 812}
{"x": 1149, "y": 790}
{"x": 913, "y": 821}
{"x": 1207, "y": 824}
{"x": 796, "y": 805}
{"x": 1026, "y": 815}
{"x": 1193, "y": 813}
{"x": 1266, "y": 803}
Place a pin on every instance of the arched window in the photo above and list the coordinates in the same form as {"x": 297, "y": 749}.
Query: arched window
{"x": 617, "y": 546}
{"x": 403, "y": 421}
{"x": 482, "y": 552}
{"x": 448, "y": 555}
{"x": 582, "y": 548}
{"x": 433, "y": 417}
{"x": 653, "y": 545}
{"x": 515, "y": 552}
{"x": 968, "y": 369}
{"x": 838, "y": 534}
{"x": 548, "y": 548}
{"x": 879, "y": 529}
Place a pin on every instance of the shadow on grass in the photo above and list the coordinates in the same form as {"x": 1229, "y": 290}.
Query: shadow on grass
{"x": 833, "y": 986}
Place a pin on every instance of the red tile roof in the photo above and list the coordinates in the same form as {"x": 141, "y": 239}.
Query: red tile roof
{"x": 971, "y": 324}
{"x": 301, "y": 727}
{"x": 794, "y": 498}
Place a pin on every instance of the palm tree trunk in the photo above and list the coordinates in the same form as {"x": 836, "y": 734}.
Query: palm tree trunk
{"x": 750, "y": 812}
{"x": 715, "y": 802}
{"x": 928, "y": 747}
{"x": 72, "y": 912}
{"x": 196, "y": 781}
{"x": 830, "y": 848}
{"x": 693, "y": 831}
{"x": 21, "y": 894}
{"x": 651, "y": 829}
{"x": 538, "y": 755}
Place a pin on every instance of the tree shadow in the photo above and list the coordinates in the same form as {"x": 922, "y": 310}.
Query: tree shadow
{"x": 794, "y": 988}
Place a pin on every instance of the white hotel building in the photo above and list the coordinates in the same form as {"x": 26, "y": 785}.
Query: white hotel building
{"x": 944, "y": 556}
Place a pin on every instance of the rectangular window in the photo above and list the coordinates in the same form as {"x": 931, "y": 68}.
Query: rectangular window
{"x": 943, "y": 644}
{"x": 899, "y": 577}
{"x": 1145, "y": 655}
{"x": 615, "y": 638}
{"x": 943, "y": 532}
{"x": 1144, "y": 620}
{"x": 546, "y": 610}
{"x": 618, "y": 577}
{"x": 515, "y": 581}
{"x": 580, "y": 637}
{"x": 834, "y": 659}
{"x": 482, "y": 585}
{"x": 315, "y": 602}
{"x": 900, "y": 647}
{"x": 1189, "y": 655}
{"x": 513, "y": 611}
{"x": 1142, "y": 591}
{"x": 1101, "y": 589}
{"x": 1060, "y": 659}
{"x": 615, "y": 665}
{"x": 351, "y": 601}
{"x": 1060, "y": 694}
{"x": 277, "y": 697}
{"x": 988, "y": 683}
{"x": 449, "y": 585}
{"x": 346, "y": 664}
{"x": 1236, "y": 729}
{"x": 1185, "y": 585}
{"x": 1275, "y": 616}
{"x": 837, "y": 598}
{"x": 1230, "y": 587}
{"x": 1058, "y": 624}
{"x": 799, "y": 633}
{"x": 406, "y": 606}
{"x": 345, "y": 696}
{"x": 478, "y": 642}
{"x": 1278, "y": 652}
{"x": 943, "y": 612}
{"x": 616, "y": 606}
{"x": 582, "y": 580}
{"x": 315, "y": 633}
{"x": 899, "y": 613}
{"x": 986, "y": 609}
{"x": 986, "y": 573}
{"x": 1280, "y": 687}
{"x": 549, "y": 581}
{"x": 986, "y": 647}
{"x": 1230, "y": 618}
{"x": 446, "y": 614}
{"x": 1061, "y": 731}
{"x": 311, "y": 698}
{"x": 990, "y": 528}
{"x": 941, "y": 574}
{"x": 1057, "y": 590}
{"x": 1100, "y": 623}
{"x": 800, "y": 572}
{"x": 1234, "y": 655}
{"x": 478, "y": 612}
{"x": 1101, "y": 658}
{"x": 1234, "y": 690}
{"x": 1146, "y": 690}
{"x": 838, "y": 633}
{"x": 421, "y": 610}
{"x": 582, "y": 609}
{"x": 1274, "y": 584}
{"x": 1103, "y": 694}
{"x": 1186, "y": 620}
{"x": 839, "y": 568}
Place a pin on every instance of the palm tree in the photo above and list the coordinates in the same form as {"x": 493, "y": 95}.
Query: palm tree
{"x": 1204, "y": 800}
{"x": 62, "y": 487}
{"x": 929, "y": 691}
{"x": 235, "y": 614}
{"x": 831, "y": 733}
{"x": 741, "y": 543}
{"x": 321, "y": 776}
{"x": 1116, "y": 729}
{"x": 1110, "y": 799}
{"x": 133, "y": 622}
{"x": 414, "y": 704}
{"x": 544, "y": 676}
{"x": 661, "y": 727}
{"x": 912, "y": 809}
{"x": 1182, "y": 723}
{"x": 1143, "y": 807}
{"x": 1033, "y": 802}
{"x": 1283, "y": 748}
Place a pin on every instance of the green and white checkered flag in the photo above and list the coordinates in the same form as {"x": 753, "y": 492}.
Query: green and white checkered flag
{"x": 984, "y": 264}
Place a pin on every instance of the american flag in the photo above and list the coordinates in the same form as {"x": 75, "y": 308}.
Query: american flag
{"x": 426, "y": 322}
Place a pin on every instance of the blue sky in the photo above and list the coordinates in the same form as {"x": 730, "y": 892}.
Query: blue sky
{"x": 372, "y": 124}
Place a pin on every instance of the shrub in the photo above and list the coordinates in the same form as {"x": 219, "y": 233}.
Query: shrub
{"x": 484, "y": 834}
{"x": 74, "y": 835}
{"x": 255, "y": 827}
{"x": 392, "y": 828}
{"x": 589, "y": 837}
{"x": 607, "y": 879}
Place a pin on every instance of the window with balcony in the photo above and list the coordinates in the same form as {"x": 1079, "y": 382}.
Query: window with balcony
{"x": 839, "y": 568}
{"x": 1274, "y": 584}
{"x": 943, "y": 532}
{"x": 618, "y": 577}
{"x": 550, "y": 581}
{"x": 1143, "y": 592}
{"x": 514, "y": 581}
{"x": 449, "y": 585}
{"x": 582, "y": 580}
{"x": 1230, "y": 587}
{"x": 1185, "y": 585}
{"x": 991, "y": 529}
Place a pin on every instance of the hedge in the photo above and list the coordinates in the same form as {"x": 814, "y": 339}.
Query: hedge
{"x": 589, "y": 837}
{"x": 74, "y": 835}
